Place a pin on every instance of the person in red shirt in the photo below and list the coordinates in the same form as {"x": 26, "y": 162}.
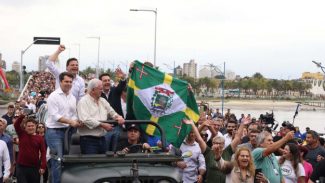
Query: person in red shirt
{"x": 31, "y": 151}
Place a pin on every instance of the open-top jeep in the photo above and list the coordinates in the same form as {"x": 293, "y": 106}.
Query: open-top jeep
{"x": 118, "y": 167}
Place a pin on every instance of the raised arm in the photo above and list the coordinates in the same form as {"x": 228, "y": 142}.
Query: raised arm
{"x": 236, "y": 141}
{"x": 50, "y": 63}
{"x": 54, "y": 57}
{"x": 122, "y": 83}
{"x": 276, "y": 145}
{"x": 17, "y": 125}
{"x": 207, "y": 123}
{"x": 199, "y": 139}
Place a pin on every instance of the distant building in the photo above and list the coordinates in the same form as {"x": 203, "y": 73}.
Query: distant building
{"x": 230, "y": 75}
{"x": 237, "y": 77}
{"x": 178, "y": 71}
{"x": 316, "y": 80}
{"x": 16, "y": 66}
{"x": 209, "y": 72}
{"x": 42, "y": 62}
{"x": 190, "y": 69}
{"x": 309, "y": 75}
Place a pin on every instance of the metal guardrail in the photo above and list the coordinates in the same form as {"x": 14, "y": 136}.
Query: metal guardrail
{"x": 25, "y": 87}
{"x": 320, "y": 104}
{"x": 162, "y": 132}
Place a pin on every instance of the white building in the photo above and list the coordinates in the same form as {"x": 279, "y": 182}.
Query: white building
{"x": 178, "y": 71}
{"x": 230, "y": 75}
{"x": 42, "y": 62}
{"x": 190, "y": 69}
{"x": 16, "y": 66}
{"x": 209, "y": 72}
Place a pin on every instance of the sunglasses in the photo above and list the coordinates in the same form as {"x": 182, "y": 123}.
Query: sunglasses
{"x": 40, "y": 127}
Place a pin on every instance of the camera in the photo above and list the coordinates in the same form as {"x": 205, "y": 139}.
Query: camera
{"x": 285, "y": 123}
{"x": 267, "y": 118}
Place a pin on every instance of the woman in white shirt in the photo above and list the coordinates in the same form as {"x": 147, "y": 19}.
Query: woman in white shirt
{"x": 291, "y": 166}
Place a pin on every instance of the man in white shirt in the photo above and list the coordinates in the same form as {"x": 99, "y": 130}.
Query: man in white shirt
{"x": 5, "y": 162}
{"x": 231, "y": 126}
{"x": 62, "y": 113}
{"x": 31, "y": 105}
{"x": 195, "y": 164}
{"x": 78, "y": 85}
{"x": 92, "y": 109}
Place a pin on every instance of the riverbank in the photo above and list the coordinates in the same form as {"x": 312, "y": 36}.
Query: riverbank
{"x": 259, "y": 104}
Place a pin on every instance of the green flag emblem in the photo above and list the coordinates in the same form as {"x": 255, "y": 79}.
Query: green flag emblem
{"x": 156, "y": 96}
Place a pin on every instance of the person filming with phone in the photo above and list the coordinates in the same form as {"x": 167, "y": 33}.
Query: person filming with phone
{"x": 242, "y": 168}
{"x": 264, "y": 157}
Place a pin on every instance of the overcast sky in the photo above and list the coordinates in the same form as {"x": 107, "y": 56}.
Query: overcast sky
{"x": 278, "y": 38}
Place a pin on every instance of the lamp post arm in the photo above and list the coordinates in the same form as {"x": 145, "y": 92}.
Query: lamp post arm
{"x": 155, "y": 11}
{"x": 21, "y": 82}
{"x": 155, "y": 38}
{"x": 318, "y": 64}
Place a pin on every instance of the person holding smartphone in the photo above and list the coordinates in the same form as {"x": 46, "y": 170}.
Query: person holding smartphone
{"x": 243, "y": 168}
{"x": 264, "y": 157}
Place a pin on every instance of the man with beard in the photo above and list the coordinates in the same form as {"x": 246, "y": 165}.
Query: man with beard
{"x": 252, "y": 144}
{"x": 316, "y": 152}
{"x": 231, "y": 125}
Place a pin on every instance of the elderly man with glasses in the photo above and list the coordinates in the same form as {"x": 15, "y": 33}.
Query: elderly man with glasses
{"x": 217, "y": 152}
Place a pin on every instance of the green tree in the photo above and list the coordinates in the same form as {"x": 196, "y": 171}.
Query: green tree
{"x": 87, "y": 71}
{"x": 258, "y": 76}
{"x": 13, "y": 78}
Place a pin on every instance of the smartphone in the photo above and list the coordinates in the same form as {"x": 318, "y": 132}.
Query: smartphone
{"x": 257, "y": 171}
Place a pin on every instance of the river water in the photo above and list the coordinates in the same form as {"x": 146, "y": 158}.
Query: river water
{"x": 307, "y": 116}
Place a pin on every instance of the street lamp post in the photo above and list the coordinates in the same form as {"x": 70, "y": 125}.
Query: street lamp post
{"x": 222, "y": 85}
{"x": 155, "y": 42}
{"x": 97, "y": 67}
{"x": 37, "y": 40}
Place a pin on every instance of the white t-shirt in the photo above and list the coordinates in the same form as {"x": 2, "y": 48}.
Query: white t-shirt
{"x": 289, "y": 174}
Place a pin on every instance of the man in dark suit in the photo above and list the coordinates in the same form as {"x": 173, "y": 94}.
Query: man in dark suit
{"x": 113, "y": 93}
{"x": 113, "y": 96}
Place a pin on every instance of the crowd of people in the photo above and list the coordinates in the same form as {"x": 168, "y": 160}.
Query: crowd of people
{"x": 220, "y": 148}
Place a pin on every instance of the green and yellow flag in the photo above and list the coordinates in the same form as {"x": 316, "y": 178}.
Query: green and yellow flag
{"x": 157, "y": 96}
